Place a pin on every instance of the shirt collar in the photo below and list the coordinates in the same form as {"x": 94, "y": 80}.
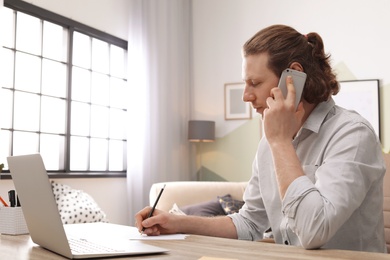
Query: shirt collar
{"x": 318, "y": 115}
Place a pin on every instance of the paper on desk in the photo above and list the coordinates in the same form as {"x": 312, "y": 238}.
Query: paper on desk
{"x": 135, "y": 235}
{"x": 160, "y": 237}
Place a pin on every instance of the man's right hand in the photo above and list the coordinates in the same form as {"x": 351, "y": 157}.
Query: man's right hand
{"x": 160, "y": 223}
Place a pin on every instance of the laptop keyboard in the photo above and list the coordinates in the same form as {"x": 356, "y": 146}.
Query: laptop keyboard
{"x": 83, "y": 246}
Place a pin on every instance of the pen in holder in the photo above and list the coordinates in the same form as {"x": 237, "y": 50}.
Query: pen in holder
{"x": 12, "y": 221}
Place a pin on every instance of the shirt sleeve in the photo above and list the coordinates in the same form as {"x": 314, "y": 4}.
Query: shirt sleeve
{"x": 316, "y": 205}
{"x": 251, "y": 221}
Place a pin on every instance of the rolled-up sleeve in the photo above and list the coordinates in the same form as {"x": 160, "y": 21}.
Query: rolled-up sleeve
{"x": 316, "y": 209}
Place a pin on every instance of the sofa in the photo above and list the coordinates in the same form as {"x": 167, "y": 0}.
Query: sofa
{"x": 185, "y": 193}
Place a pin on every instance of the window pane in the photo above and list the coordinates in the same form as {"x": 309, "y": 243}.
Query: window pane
{"x": 7, "y": 16}
{"x": 26, "y": 111}
{"x": 27, "y": 72}
{"x": 100, "y": 60}
{"x": 100, "y": 93}
{"x": 99, "y": 153}
{"x": 5, "y": 147}
{"x": 53, "y": 115}
{"x": 7, "y": 68}
{"x": 117, "y": 157}
{"x": 118, "y": 93}
{"x": 51, "y": 149}
{"x": 81, "y": 85}
{"x": 79, "y": 147}
{"x": 117, "y": 62}
{"x": 53, "y": 78}
{"x": 117, "y": 124}
{"x": 28, "y": 33}
{"x": 25, "y": 143}
{"x": 6, "y": 109}
{"x": 99, "y": 121}
{"x": 80, "y": 119}
{"x": 42, "y": 93}
{"x": 81, "y": 50}
{"x": 54, "y": 41}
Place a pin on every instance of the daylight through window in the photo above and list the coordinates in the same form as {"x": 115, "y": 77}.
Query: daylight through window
{"x": 63, "y": 95}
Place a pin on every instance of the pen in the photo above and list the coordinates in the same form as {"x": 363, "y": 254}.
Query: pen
{"x": 3, "y": 202}
{"x": 12, "y": 198}
{"x": 155, "y": 204}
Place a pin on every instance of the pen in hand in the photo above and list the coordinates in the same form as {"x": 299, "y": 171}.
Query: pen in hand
{"x": 155, "y": 204}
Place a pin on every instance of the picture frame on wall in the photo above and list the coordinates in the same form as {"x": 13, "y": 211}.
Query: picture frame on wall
{"x": 363, "y": 97}
{"x": 235, "y": 107}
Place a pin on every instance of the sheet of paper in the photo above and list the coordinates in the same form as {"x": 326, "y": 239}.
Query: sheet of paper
{"x": 160, "y": 237}
{"x": 135, "y": 235}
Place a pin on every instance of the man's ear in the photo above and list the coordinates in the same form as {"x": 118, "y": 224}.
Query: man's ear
{"x": 296, "y": 66}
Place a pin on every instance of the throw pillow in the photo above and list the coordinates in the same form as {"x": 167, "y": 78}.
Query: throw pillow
{"x": 176, "y": 210}
{"x": 76, "y": 206}
{"x": 207, "y": 208}
{"x": 230, "y": 205}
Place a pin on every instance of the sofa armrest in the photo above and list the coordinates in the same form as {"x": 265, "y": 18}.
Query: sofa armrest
{"x": 191, "y": 192}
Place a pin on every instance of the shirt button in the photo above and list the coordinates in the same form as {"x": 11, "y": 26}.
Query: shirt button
{"x": 286, "y": 242}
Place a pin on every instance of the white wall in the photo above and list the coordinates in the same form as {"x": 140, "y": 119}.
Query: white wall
{"x": 355, "y": 32}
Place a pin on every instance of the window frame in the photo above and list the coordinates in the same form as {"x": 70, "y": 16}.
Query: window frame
{"x": 72, "y": 26}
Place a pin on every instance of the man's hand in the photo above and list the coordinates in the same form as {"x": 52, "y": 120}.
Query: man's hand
{"x": 160, "y": 223}
{"x": 281, "y": 120}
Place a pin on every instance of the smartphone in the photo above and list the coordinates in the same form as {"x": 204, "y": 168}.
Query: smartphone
{"x": 299, "y": 79}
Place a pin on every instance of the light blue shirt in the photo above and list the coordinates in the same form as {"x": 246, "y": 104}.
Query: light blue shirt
{"x": 339, "y": 201}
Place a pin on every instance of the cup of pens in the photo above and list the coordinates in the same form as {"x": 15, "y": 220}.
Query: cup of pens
{"x": 11, "y": 216}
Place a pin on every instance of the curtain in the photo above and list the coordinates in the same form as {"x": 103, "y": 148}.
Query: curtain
{"x": 159, "y": 96}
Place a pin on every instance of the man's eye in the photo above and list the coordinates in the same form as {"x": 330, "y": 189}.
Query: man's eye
{"x": 254, "y": 84}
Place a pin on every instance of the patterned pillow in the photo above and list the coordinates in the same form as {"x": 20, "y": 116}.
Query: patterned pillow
{"x": 76, "y": 206}
{"x": 230, "y": 205}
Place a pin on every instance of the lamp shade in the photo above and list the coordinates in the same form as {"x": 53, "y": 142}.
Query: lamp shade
{"x": 201, "y": 131}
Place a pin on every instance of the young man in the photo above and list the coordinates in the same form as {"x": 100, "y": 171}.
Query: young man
{"x": 317, "y": 176}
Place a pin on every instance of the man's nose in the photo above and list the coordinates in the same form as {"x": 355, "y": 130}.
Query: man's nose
{"x": 248, "y": 97}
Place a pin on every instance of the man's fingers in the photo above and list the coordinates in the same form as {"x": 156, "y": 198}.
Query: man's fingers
{"x": 291, "y": 93}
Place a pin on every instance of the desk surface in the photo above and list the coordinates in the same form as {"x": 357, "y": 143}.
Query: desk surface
{"x": 193, "y": 247}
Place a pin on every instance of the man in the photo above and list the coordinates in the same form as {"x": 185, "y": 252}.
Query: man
{"x": 318, "y": 173}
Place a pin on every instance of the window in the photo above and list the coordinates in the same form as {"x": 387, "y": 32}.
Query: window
{"x": 63, "y": 93}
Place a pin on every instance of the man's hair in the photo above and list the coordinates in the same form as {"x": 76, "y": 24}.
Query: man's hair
{"x": 284, "y": 45}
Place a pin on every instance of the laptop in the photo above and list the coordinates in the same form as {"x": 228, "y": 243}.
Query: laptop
{"x": 44, "y": 223}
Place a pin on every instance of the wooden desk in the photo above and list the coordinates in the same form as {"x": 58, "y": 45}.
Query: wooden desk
{"x": 194, "y": 247}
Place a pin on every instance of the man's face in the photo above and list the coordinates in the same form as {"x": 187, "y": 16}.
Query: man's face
{"x": 259, "y": 80}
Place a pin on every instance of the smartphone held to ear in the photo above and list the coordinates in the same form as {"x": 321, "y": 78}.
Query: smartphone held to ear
{"x": 299, "y": 79}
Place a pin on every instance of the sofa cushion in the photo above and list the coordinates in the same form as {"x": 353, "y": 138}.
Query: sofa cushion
{"x": 222, "y": 205}
{"x": 230, "y": 205}
{"x": 76, "y": 206}
{"x": 176, "y": 210}
{"x": 207, "y": 208}
{"x": 192, "y": 192}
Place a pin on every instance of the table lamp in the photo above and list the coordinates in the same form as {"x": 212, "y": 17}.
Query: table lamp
{"x": 201, "y": 131}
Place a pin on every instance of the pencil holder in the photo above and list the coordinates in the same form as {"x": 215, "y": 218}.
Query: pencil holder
{"x": 12, "y": 221}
